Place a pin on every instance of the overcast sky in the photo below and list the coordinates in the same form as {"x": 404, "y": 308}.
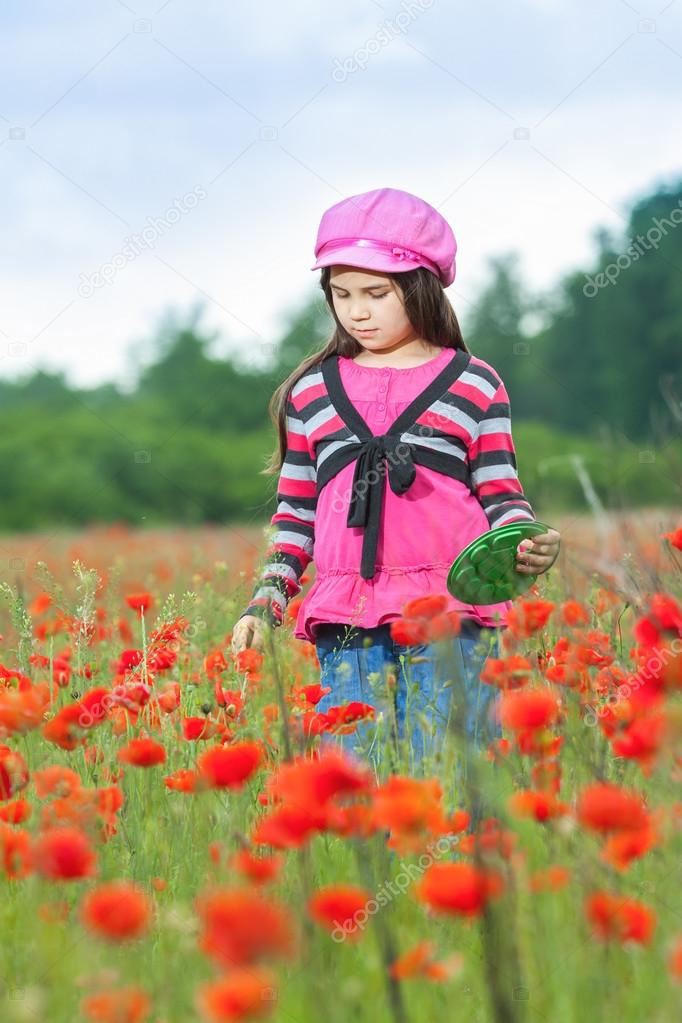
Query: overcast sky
{"x": 224, "y": 130}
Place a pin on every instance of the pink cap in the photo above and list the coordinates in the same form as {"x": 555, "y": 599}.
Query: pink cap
{"x": 386, "y": 230}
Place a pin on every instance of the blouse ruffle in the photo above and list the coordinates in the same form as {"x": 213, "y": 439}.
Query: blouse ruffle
{"x": 343, "y": 596}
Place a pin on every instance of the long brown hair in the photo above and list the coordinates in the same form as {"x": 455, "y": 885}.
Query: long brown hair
{"x": 428, "y": 309}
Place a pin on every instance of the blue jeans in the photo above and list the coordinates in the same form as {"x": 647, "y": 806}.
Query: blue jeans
{"x": 437, "y": 688}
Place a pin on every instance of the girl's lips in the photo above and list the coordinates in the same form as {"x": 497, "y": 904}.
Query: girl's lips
{"x": 372, "y": 331}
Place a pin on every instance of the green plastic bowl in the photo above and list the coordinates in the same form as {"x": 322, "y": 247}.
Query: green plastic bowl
{"x": 485, "y": 571}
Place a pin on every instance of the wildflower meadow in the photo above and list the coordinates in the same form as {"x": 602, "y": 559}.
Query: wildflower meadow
{"x": 182, "y": 837}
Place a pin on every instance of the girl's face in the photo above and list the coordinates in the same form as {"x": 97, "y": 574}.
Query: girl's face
{"x": 370, "y": 307}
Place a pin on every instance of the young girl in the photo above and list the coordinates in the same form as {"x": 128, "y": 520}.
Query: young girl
{"x": 395, "y": 452}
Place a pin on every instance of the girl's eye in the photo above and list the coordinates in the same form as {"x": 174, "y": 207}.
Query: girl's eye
{"x": 373, "y": 296}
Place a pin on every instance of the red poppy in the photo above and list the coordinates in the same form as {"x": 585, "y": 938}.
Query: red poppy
{"x": 40, "y": 603}
{"x": 410, "y": 806}
{"x": 310, "y": 781}
{"x": 15, "y": 852}
{"x": 109, "y": 799}
{"x": 546, "y": 775}
{"x": 61, "y": 670}
{"x": 675, "y": 960}
{"x": 168, "y": 698}
{"x": 528, "y": 616}
{"x": 498, "y": 750}
{"x": 621, "y": 848}
{"x": 574, "y": 614}
{"x": 288, "y": 827}
{"x": 240, "y": 994}
{"x": 606, "y": 807}
{"x": 352, "y": 820}
{"x": 309, "y": 724}
{"x": 541, "y": 805}
{"x": 551, "y": 879}
{"x": 538, "y": 742}
{"x": 341, "y": 907}
{"x": 407, "y": 632}
{"x": 425, "y": 607}
{"x": 458, "y": 888}
{"x": 343, "y": 719}
{"x": 65, "y": 729}
{"x": 528, "y": 709}
{"x": 215, "y": 663}
{"x": 129, "y": 659}
{"x": 230, "y": 699}
{"x": 183, "y": 780}
{"x": 241, "y": 927}
{"x": 16, "y": 812}
{"x": 664, "y": 616}
{"x": 132, "y": 694}
{"x": 126, "y": 1005}
{"x": 56, "y": 780}
{"x": 420, "y": 962}
{"x": 675, "y": 538}
{"x": 22, "y": 710}
{"x": 311, "y": 694}
{"x": 230, "y": 766}
{"x": 425, "y": 620}
{"x": 248, "y": 661}
{"x": 116, "y": 910}
{"x": 616, "y": 917}
{"x": 13, "y": 772}
{"x": 506, "y": 672}
{"x": 642, "y": 740}
{"x": 259, "y": 869}
{"x": 94, "y": 706}
{"x": 139, "y": 601}
{"x": 161, "y": 658}
{"x": 489, "y": 838}
{"x": 64, "y": 854}
{"x": 142, "y": 752}
{"x": 197, "y": 728}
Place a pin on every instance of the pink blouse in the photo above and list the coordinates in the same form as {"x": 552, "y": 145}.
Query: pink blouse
{"x": 422, "y": 532}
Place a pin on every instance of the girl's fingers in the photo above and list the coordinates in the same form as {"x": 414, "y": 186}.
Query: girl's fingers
{"x": 532, "y": 562}
{"x": 544, "y": 550}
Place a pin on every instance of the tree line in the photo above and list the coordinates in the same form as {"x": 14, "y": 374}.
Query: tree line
{"x": 592, "y": 367}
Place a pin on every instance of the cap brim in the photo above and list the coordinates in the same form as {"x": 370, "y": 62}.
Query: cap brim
{"x": 365, "y": 260}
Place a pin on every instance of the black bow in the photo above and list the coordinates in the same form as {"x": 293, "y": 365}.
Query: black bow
{"x": 368, "y": 487}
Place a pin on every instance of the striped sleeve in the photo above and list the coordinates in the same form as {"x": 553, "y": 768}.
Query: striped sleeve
{"x": 291, "y": 548}
{"x": 492, "y": 462}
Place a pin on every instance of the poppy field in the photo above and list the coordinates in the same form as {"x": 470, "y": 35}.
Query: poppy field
{"x": 182, "y": 837}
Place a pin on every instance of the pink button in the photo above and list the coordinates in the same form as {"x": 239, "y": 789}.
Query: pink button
{"x": 381, "y": 407}
{"x": 382, "y": 388}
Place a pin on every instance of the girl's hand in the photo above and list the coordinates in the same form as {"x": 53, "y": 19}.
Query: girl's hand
{"x": 248, "y": 631}
{"x": 537, "y": 555}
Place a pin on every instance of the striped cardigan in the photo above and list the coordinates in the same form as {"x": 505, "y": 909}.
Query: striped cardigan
{"x": 459, "y": 425}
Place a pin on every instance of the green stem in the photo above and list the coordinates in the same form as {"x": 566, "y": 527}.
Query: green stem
{"x": 384, "y": 938}
{"x": 281, "y": 701}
